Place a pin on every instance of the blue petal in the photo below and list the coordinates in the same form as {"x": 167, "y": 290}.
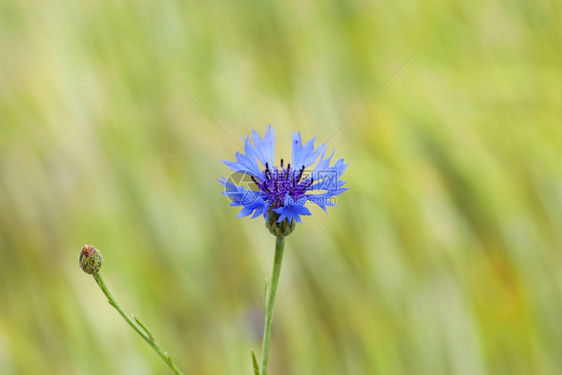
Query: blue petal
{"x": 292, "y": 210}
{"x": 245, "y": 163}
{"x": 324, "y": 163}
{"x": 328, "y": 178}
{"x": 251, "y": 201}
{"x": 305, "y": 155}
{"x": 239, "y": 195}
{"x": 264, "y": 148}
{"x": 323, "y": 200}
{"x": 245, "y": 212}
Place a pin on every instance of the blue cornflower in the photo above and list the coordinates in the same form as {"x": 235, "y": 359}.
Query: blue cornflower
{"x": 282, "y": 191}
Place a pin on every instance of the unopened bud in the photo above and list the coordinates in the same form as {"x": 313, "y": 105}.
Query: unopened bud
{"x": 90, "y": 259}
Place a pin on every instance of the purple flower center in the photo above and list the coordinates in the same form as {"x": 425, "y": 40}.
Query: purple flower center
{"x": 277, "y": 183}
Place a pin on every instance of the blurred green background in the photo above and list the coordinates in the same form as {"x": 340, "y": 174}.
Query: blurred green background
{"x": 444, "y": 257}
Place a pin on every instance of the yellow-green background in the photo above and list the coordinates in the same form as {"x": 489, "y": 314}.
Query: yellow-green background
{"x": 455, "y": 177}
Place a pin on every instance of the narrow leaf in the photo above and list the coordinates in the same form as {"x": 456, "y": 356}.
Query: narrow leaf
{"x": 255, "y": 362}
{"x": 143, "y": 327}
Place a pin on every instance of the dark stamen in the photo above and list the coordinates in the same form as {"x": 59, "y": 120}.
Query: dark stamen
{"x": 288, "y": 171}
{"x": 300, "y": 174}
{"x": 281, "y": 163}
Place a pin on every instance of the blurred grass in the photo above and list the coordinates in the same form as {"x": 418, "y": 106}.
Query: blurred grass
{"x": 455, "y": 176}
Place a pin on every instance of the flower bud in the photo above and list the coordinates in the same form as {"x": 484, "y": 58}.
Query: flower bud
{"x": 281, "y": 229}
{"x": 90, "y": 259}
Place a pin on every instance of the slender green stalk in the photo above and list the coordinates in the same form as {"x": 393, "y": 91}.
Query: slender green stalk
{"x": 270, "y": 301}
{"x": 136, "y": 325}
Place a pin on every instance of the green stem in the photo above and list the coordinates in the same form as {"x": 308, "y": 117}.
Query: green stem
{"x": 270, "y": 301}
{"x": 136, "y": 325}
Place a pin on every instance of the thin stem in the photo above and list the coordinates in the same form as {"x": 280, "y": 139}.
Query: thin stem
{"x": 270, "y": 301}
{"x": 136, "y": 325}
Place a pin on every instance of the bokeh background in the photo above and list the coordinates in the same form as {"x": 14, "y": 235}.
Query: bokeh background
{"x": 444, "y": 257}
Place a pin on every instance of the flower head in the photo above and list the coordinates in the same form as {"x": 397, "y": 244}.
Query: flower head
{"x": 281, "y": 192}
